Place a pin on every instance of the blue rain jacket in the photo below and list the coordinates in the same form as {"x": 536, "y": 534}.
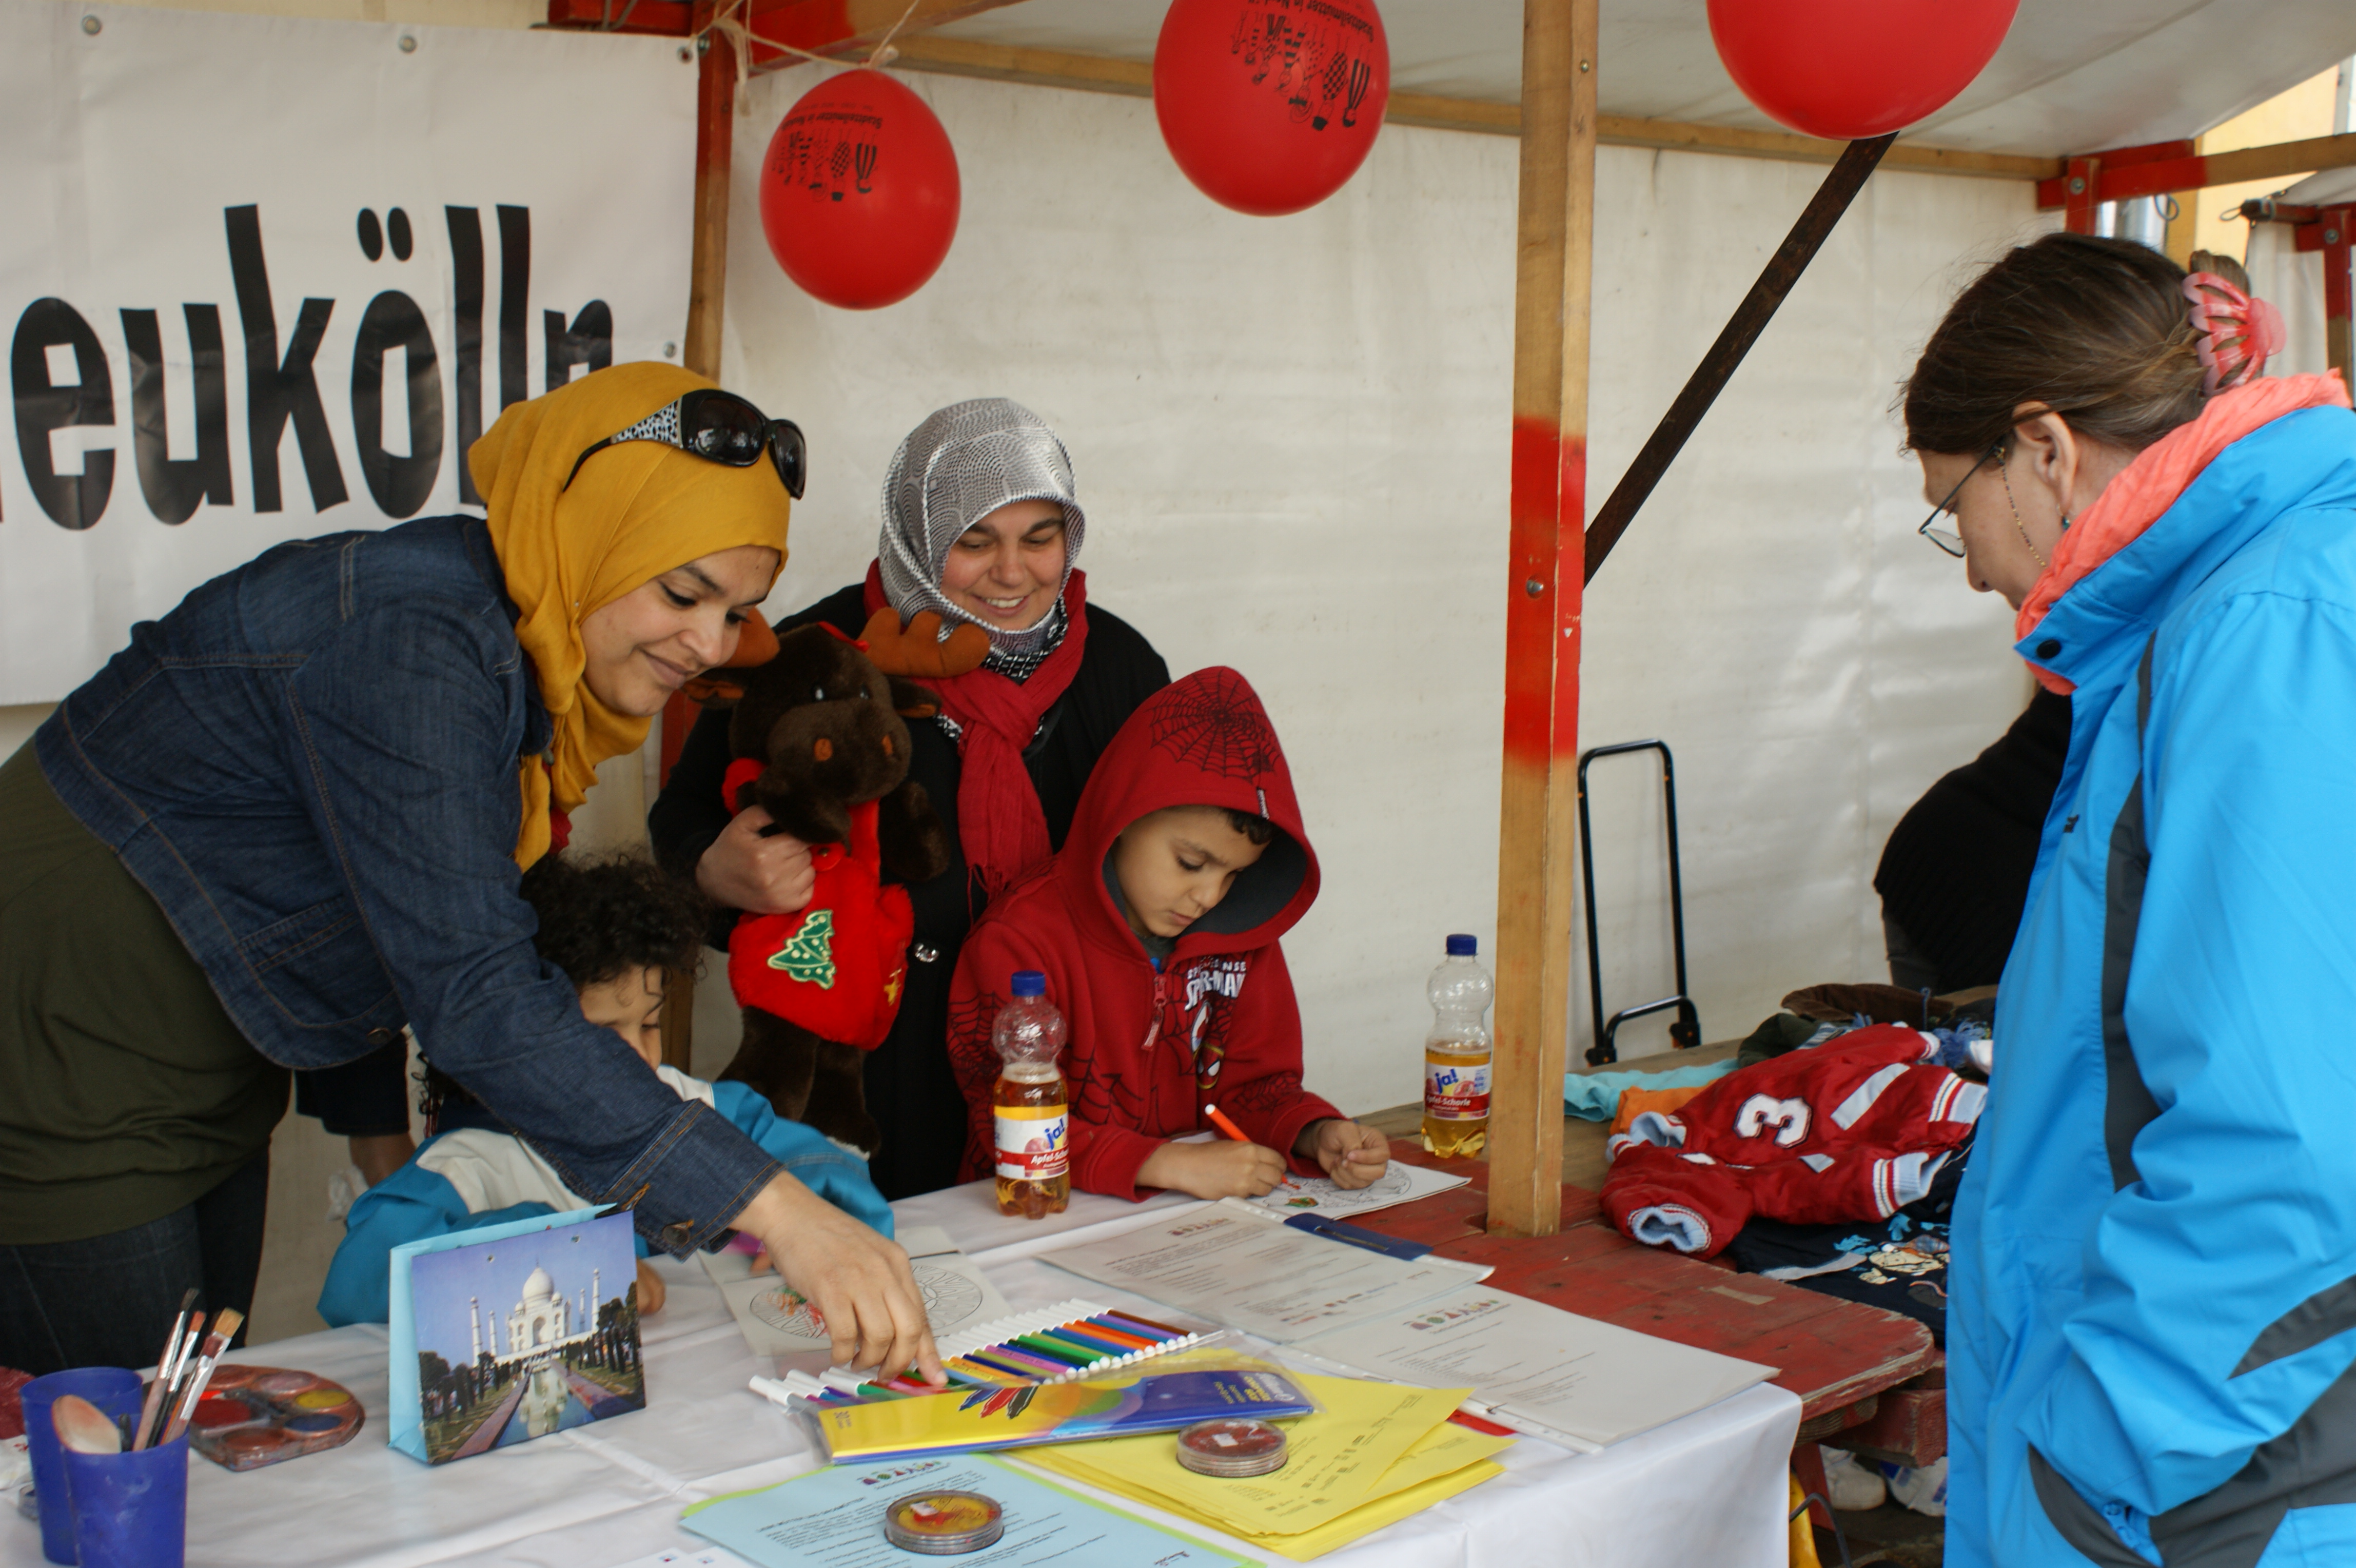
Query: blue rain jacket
{"x": 418, "y": 1201}
{"x": 2155, "y": 1278}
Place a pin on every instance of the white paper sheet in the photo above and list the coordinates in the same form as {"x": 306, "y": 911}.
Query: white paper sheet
{"x": 1247, "y": 1269}
{"x": 775, "y": 1321}
{"x": 1531, "y": 1363}
{"x": 1318, "y": 1195}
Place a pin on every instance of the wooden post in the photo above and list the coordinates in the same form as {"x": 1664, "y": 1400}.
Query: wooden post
{"x": 2079, "y": 195}
{"x": 1536, "y": 867}
{"x": 715, "y": 136}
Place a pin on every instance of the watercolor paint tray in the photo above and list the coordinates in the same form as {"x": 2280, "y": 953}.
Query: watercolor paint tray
{"x": 252, "y": 1416}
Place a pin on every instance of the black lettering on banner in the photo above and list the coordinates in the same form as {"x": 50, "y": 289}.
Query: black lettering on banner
{"x": 515, "y": 316}
{"x": 400, "y": 485}
{"x": 467, "y": 300}
{"x": 275, "y": 390}
{"x": 589, "y": 342}
{"x": 72, "y": 500}
{"x": 174, "y": 487}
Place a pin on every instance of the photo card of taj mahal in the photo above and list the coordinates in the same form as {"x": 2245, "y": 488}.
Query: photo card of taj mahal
{"x": 509, "y": 1332}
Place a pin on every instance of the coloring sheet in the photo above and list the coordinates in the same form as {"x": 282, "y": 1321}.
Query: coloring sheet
{"x": 776, "y": 1321}
{"x": 1318, "y": 1195}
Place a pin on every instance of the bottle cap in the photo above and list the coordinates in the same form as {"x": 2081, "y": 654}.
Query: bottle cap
{"x": 1462, "y": 946}
{"x": 1233, "y": 1447}
{"x": 943, "y": 1523}
{"x": 1028, "y": 983}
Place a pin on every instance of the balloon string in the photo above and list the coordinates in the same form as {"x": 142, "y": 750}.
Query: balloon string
{"x": 728, "y": 23}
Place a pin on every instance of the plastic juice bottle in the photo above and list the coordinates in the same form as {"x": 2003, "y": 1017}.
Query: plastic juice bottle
{"x": 1033, "y": 1122}
{"x": 1456, "y": 1054}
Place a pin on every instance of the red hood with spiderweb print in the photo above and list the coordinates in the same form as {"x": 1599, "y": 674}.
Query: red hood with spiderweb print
{"x": 1203, "y": 740}
{"x": 1217, "y": 1022}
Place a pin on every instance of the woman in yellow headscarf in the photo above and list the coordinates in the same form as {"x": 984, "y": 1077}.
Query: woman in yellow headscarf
{"x": 289, "y": 818}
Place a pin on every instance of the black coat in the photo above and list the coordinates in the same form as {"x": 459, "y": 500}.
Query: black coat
{"x": 909, "y": 1086}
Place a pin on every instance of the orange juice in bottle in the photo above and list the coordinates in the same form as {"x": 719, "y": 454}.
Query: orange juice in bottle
{"x": 1456, "y": 1054}
{"x": 1029, "y": 1105}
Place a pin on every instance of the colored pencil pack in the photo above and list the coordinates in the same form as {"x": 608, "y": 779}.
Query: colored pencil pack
{"x": 1058, "y": 1344}
{"x": 1014, "y": 1416}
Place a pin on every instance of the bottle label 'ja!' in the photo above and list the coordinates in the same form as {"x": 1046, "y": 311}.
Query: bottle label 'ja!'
{"x": 1456, "y": 1092}
{"x": 1034, "y": 1141}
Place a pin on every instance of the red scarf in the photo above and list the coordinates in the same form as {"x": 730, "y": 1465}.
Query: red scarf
{"x": 1001, "y": 827}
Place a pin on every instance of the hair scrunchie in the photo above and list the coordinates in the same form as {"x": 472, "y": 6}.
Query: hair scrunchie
{"x": 2234, "y": 332}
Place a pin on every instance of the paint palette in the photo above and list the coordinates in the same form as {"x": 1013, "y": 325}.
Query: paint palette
{"x": 252, "y": 1416}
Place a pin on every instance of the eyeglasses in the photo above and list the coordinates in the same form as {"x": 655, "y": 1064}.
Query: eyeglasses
{"x": 1946, "y": 540}
{"x": 720, "y": 427}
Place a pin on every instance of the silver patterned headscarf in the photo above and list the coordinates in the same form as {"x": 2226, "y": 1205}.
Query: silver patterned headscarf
{"x": 961, "y": 463}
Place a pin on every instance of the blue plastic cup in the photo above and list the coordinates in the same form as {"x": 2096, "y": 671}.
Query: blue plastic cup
{"x": 116, "y": 1391}
{"x": 130, "y": 1510}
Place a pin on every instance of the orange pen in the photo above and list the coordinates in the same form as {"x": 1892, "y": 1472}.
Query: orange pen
{"x": 1224, "y": 1126}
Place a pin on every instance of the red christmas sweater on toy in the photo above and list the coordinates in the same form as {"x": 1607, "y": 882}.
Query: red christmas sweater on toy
{"x": 1150, "y": 1043}
{"x": 836, "y": 966}
{"x": 1853, "y": 1129}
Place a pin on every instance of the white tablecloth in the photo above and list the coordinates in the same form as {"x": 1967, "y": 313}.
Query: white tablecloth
{"x": 1708, "y": 1489}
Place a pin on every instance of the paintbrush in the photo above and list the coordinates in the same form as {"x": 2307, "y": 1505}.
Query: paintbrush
{"x": 83, "y": 1427}
{"x": 157, "y": 1391}
{"x": 225, "y": 1326}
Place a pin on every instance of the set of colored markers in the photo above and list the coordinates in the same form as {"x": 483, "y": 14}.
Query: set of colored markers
{"x": 1070, "y": 1340}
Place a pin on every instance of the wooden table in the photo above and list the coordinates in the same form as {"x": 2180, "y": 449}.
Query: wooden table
{"x": 1842, "y": 1359}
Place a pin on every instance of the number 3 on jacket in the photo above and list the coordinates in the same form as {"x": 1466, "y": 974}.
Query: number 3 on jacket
{"x": 1789, "y": 1118}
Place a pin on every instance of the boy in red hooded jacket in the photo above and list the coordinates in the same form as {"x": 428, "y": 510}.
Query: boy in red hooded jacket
{"x": 1156, "y": 926}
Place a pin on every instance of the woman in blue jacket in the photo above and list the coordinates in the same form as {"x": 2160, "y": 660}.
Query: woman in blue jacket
{"x": 2155, "y": 1278}
{"x": 289, "y": 818}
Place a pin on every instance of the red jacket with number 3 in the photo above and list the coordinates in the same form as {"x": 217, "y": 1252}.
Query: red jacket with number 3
{"x": 1150, "y": 1043}
{"x": 1853, "y": 1129}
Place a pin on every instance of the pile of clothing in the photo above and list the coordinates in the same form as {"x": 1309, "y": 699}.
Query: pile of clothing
{"x": 1828, "y": 1155}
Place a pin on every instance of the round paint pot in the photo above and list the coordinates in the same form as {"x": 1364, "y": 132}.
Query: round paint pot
{"x": 280, "y": 1382}
{"x": 323, "y": 1399}
{"x": 221, "y": 1410}
{"x": 1233, "y": 1447}
{"x": 254, "y": 1441}
{"x": 943, "y": 1523}
{"x": 228, "y": 1375}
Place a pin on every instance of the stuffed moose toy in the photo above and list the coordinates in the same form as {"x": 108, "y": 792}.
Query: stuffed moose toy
{"x": 820, "y": 743}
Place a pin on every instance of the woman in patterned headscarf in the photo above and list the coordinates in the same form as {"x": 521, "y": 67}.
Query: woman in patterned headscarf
{"x": 290, "y": 818}
{"x": 974, "y": 591}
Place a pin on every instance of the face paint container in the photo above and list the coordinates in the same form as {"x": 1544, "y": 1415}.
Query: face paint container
{"x": 1233, "y": 1446}
{"x": 943, "y": 1523}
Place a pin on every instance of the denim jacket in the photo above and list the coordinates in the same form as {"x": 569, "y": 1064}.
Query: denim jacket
{"x": 311, "y": 764}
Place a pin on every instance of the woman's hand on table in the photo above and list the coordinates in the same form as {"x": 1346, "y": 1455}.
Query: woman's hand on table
{"x": 859, "y": 1283}
{"x": 1223, "y": 1168}
{"x": 1355, "y": 1157}
{"x": 652, "y": 1289}
{"x": 742, "y": 870}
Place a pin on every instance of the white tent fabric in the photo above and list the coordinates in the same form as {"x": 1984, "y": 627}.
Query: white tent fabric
{"x": 2069, "y": 78}
{"x": 1292, "y": 436}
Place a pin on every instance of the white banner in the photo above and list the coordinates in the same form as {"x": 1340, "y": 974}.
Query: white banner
{"x": 267, "y": 278}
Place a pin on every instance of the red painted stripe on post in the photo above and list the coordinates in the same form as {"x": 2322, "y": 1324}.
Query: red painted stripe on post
{"x": 1548, "y": 547}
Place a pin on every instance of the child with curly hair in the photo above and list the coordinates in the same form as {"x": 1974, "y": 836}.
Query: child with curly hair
{"x": 613, "y": 926}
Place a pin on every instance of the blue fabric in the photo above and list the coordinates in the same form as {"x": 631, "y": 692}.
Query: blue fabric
{"x": 1595, "y": 1096}
{"x": 2106, "y": 1325}
{"x": 311, "y": 763}
{"x": 413, "y": 1203}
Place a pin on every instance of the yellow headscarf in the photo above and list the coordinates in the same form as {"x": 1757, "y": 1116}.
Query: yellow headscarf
{"x": 636, "y": 510}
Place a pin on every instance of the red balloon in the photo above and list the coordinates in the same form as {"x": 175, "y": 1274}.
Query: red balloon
{"x": 1269, "y": 106}
{"x": 1852, "y": 69}
{"x": 859, "y": 191}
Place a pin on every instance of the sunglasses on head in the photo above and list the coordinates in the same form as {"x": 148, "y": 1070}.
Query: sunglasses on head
{"x": 720, "y": 427}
